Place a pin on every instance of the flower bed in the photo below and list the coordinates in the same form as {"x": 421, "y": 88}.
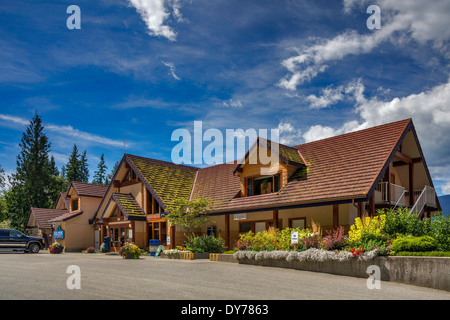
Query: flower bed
{"x": 311, "y": 254}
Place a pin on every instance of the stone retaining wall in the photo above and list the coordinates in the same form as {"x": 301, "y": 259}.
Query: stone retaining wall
{"x": 431, "y": 272}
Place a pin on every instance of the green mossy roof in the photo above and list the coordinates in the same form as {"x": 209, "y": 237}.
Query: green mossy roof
{"x": 169, "y": 181}
{"x": 128, "y": 204}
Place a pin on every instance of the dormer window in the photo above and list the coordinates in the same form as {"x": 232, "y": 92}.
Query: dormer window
{"x": 263, "y": 184}
{"x": 74, "y": 204}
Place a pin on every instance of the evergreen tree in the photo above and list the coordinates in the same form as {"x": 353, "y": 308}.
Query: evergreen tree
{"x": 2, "y": 178}
{"x": 84, "y": 168}
{"x": 53, "y": 168}
{"x": 29, "y": 186}
{"x": 100, "y": 174}
{"x": 73, "y": 166}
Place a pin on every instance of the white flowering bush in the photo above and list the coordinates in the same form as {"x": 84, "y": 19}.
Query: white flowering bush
{"x": 175, "y": 251}
{"x": 312, "y": 254}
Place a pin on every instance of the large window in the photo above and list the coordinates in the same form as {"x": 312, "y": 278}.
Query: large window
{"x": 263, "y": 184}
{"x": 158, "y": 231}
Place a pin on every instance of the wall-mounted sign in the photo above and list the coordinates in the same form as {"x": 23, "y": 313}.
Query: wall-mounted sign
{"x": 58, "y": 233}
{"x": 240, "y": 216}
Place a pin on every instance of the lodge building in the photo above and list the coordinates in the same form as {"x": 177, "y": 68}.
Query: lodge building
{"x": 330, "y": 181}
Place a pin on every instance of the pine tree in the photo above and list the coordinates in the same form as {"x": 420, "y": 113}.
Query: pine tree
{"x": 53, "y": 168}
{"x": 84, "y": 168}
{"x": 73, "y": 166}
{"x": 29, "y": 186}
{"x": 100, "y": 174}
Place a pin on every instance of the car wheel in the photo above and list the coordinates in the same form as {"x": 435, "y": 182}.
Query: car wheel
{"x": 33, "y": 248}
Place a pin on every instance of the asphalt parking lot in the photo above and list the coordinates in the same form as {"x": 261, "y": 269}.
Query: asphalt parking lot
{"x": 43, "y": 276}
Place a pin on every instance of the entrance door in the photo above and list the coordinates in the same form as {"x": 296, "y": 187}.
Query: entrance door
{"x": 119, "y": 236}
{"x": 97, "y": 239}
{"x": 158, "y": 231}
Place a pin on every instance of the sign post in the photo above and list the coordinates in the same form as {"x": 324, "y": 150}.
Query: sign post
{"x": 294, "y": 238}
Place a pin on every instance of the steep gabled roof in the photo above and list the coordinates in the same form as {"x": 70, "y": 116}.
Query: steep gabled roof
{"x": 128, "y": 205}
{"x": 63, "y": 197}
{"x": 289, "y": 155}
{"x": 165, "y": 180}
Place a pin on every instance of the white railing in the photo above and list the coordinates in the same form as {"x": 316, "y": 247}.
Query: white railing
{"x": 400, "y": 200}
{"x": 397, "y": 194}
{"x": 426, "y": 198}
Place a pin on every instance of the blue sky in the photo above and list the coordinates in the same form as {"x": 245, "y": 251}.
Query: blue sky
{"x": 142, "y": 69}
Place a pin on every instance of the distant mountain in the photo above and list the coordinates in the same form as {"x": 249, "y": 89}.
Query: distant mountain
{"x": 445, "y": 204}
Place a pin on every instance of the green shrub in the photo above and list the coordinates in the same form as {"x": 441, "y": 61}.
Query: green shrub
{"x": 414, "y": 244}
{"x": 198, "y": 244}
{"x": 272, "y": 239}
{"x": 229, "y": 252}
{"x": 424, "y": 254}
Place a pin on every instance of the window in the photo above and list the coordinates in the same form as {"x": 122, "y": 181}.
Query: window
{"x": 75, "y": 205}
{"x": 245, "y": 227}
{"x": 258, "y": 226}
{"x": 263, "y": 185}
{"x": 297, "y": 223}
{"x": 211, "y": 231}
{"x": 116, "y": 212}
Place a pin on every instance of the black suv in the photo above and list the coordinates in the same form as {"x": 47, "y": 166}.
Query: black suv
{"x": 15, "y": 240}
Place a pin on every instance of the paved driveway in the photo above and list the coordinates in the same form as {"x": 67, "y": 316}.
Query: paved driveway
{"x": 44, "y": 276}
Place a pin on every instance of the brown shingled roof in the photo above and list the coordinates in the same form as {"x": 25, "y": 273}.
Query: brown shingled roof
{"x": 341, "y": 167}
{"x": 216, "y": 183}
{"x": 89, "y": 189}
{"x": 66, "y": 216}
{"x": 43, "y": 216}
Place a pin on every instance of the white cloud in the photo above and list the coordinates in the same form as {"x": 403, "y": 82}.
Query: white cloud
{"x": 414, "y": 20}
{"x": 288, "y": 134}
{"x": 13, "y": 119}
{"x": 67, "y": 131}
{"x": 331, "y": 96}
{"x": 172, "y": 68}
{"x": 429, "y": 110}
{"x": 233, "y": 103}
{"x": 155, "y": 14}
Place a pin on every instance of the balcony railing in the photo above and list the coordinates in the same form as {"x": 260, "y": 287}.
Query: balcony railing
{"x": 427, "y": 198}
{"x": 396, "y": 194}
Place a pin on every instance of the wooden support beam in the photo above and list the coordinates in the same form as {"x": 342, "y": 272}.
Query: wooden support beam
{"x": 411, "y": 184}
{"x": 275, "y": 219}
{"x": 387, "y": 178}
{"x": 403, "y": 157}
{"x": 401, "y": 163}
{"x": 335, "y": 216}
{"x": 227, "y": 231}
{"x": 360, "y": 209}
{"x": 372, "y": 205}
{"x": 172, "y": 237}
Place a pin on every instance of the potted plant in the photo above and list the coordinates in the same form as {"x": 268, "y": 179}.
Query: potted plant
{"x": 130, "y": 251}
{"x": 56, "y": 248}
